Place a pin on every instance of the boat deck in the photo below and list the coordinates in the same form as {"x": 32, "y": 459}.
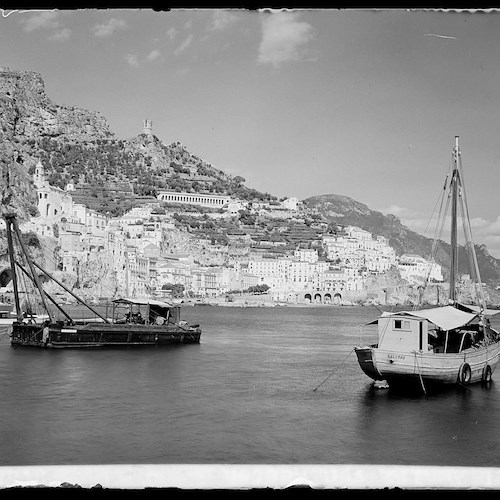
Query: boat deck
{"x": 100, "y": 335}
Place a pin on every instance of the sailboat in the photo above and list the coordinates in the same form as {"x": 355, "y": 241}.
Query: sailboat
{"x": 158, "y": 323}
{"x": 449, "y": 344}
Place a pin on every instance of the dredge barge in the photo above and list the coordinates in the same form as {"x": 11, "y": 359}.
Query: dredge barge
{"x": 145, "y": 322}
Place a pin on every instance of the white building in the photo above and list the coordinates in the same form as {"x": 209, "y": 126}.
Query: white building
{"x": 306, "y": 255}
{"x": 358, "y": 233}
{"x": 357, "y": 248}
{"x": 234, "y": 206}
{"x": 52, "y": 201}
{"x": 415, "y": 269}
{"x": 205, "y": 200}
{"x": 94, "y": 222}
{"x": 290, "y": 203}
{"x": 272, "y": 272}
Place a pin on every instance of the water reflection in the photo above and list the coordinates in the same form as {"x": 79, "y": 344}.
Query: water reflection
{"x": 448, "y": 426}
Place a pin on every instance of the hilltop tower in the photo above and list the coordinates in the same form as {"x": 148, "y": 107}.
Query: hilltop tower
{"x": 147, "y": 127}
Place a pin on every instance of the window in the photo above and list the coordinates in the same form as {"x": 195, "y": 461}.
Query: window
{"x": 399, "y": 324}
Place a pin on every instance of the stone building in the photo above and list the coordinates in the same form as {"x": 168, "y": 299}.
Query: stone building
{"x": 52, "y": 201}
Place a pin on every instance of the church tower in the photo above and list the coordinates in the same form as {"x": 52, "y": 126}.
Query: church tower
{"x": 147, "y": 127}
{"x": 39, "y": 175}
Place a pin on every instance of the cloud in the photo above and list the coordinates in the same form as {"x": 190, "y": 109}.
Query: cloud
{"x": 441, "y": 36}
{"x": 283, "y": 38}
{"x": 45, "y": 19}
{"x": 188, "y": 25}
{"x": 487, "y": 233}
{"x": 184, "y": 45}
{"x": 109, "y": 28}
{"x": 398, "y": 211}
{"x": 154, "y": 54}
{"x": 172, "y": 33}
{"x": 61, "y": 35}
{"x": 221, "y": 19}
{"x": 132, "y": 60}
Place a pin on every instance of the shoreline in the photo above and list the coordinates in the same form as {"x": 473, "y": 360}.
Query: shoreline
{"x": 253, "y": 303}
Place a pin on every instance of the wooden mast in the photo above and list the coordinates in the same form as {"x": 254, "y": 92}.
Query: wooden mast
{"x": 454, "y": 247}
{"x": 46, "y": 294}
{"x": 458, "y": 194}
{"x": 8, "y": 224}
{"x": 32, "y": 268}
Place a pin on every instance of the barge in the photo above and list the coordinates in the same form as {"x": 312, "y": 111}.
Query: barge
{"x": 147, "y": 322}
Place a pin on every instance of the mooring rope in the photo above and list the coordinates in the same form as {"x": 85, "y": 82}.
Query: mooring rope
{"x": 338, "y": 367}
{"x": 419, "y": 373}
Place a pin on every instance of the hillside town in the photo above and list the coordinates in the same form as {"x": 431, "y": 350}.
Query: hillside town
{"x": 133, "y": 256}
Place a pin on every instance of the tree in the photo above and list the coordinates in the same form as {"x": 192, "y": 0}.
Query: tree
{"x": 246, "y": 218}
{"x": 177, "y": 289}
{"x": 258, "y": 289}
{"x": 239, "y": 180}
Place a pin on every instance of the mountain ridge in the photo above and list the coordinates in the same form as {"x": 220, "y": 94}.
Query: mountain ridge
{"x": 347, "y": 211}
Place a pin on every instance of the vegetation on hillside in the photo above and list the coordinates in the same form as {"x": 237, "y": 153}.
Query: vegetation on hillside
{"x": 117, "y": 172}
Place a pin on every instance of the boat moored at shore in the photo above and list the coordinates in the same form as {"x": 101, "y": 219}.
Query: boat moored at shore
{"x": 146, "y": 322}
{"x": 450, "y": 344}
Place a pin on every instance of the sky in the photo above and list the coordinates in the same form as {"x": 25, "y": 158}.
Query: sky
{"x": 360, "y": 103}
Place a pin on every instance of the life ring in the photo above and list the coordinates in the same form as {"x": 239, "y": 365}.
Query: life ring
{"x": 486, "y": 376}
{"x": 464, "y": 373}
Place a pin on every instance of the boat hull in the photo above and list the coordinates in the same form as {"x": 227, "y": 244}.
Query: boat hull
{"x": 466, "y": 367}
{"x": 56, "y": 336}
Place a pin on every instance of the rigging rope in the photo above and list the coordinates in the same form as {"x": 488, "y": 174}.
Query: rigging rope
{"x": 438, "y": 230}
{"x": 469, "y": 241}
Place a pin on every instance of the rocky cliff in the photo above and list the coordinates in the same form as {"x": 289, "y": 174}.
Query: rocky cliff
{"x": 27, "y": 112}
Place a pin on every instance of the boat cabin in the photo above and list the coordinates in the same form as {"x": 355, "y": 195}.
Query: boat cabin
{"x": 440, "y": 330}
{"x": 399, "y": 333}
{"x": 145, "y": 311}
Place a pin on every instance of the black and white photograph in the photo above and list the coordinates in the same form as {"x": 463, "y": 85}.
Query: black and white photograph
{"x": 249, "y": 249}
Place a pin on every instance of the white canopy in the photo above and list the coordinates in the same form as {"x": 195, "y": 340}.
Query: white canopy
{"x": 446, "y": 317}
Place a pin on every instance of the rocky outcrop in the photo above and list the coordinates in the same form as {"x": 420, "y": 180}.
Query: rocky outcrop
{"x": 27, "y": 111}
{"x": 27, "y": 116}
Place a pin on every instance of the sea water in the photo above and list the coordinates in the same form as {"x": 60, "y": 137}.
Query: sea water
{"x": 274, "y": 385}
